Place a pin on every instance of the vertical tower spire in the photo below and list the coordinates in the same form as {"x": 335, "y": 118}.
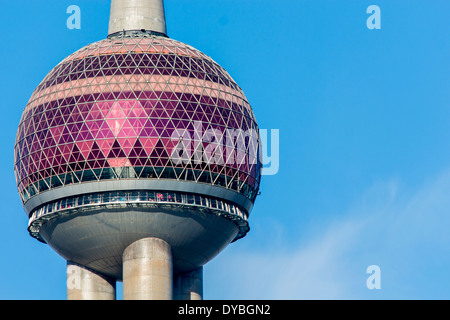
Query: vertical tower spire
{"x": 127, "y": 15}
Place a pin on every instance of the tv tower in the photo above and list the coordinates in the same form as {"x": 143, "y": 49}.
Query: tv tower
{"x": 137, "y": 159}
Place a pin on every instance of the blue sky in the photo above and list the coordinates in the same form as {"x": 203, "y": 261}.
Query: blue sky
{"x": 363, "y": 116}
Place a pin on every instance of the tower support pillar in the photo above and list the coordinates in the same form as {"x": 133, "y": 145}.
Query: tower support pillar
{"x": 189, "y": 286}
{"x": 85, "y": 284}
{"x": 147, "y": 270}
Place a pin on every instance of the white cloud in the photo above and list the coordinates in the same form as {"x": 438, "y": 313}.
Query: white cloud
{"x": 407, "y": 235}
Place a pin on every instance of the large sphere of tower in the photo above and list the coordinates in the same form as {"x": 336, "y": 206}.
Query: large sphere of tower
{"x": 107, "y": 153}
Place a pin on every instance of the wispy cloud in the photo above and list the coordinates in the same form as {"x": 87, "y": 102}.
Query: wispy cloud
{"x": 404, "y": 231}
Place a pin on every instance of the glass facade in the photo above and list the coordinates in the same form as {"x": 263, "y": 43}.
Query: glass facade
{"x": 110, "y": 111}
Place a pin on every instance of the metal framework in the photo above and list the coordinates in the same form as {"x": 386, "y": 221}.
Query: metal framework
{"x": 109, "y": 112}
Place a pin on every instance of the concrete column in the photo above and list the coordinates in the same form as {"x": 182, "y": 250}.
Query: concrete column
{"x": 84, "y": 284}
{"x": 189, "y": 286}
{"x": 147, "y": 270}
{"x": 137, "y": 15}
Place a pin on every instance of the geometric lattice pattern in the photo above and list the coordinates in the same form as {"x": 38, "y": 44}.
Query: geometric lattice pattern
{"x": 110, "y": 110}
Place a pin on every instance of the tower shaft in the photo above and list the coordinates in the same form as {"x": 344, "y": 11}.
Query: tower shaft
{"x": 189, "y": 285}
{"x": 85, "y": 284}
{"x": 147, "y": 275}
{"x": 147, "y": 270}
{"x": 145, "y": 15}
